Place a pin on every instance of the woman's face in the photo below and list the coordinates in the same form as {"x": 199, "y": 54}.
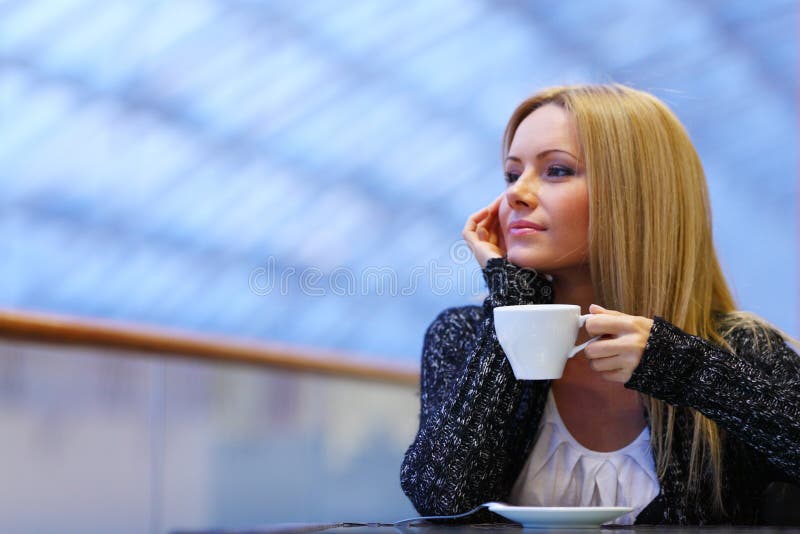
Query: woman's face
{"x": 545, "y": 214}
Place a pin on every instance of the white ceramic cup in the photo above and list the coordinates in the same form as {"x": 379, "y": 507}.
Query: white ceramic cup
{"x": 538, "y": 339}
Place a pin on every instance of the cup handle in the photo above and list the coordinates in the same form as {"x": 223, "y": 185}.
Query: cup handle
{"x": 576, "y": 350}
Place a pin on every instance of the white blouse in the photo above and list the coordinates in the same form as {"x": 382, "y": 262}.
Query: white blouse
{"x": 562, "y": 472}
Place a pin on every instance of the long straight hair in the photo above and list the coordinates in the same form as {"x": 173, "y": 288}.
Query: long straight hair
{"x": 651, "y": 250}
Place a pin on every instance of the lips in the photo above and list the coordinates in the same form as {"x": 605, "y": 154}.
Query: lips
{"x": 522, "y": 227}
{"x": 526, "y": 224}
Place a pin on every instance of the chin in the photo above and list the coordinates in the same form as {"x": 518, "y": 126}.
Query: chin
{"x": 546, "y": 263}
{"x": 526, "y": 258}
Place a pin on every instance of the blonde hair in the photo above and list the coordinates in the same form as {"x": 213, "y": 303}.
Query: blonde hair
{"x": 651, "y": 250}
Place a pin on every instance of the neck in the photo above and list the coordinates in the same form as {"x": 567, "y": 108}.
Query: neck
{"x": 574, "y": 287}
{"x": 580, "y": 384}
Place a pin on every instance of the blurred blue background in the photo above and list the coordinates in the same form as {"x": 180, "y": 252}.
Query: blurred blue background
{"x": 301, "y": 171}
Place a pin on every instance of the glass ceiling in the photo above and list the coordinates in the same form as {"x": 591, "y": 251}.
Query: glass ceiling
{"x": 301, "y": 172}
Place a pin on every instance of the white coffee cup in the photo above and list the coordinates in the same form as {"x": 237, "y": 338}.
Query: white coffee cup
{"x": 538, "y": 339}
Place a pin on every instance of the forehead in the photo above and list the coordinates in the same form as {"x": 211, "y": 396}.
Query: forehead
{"x": 548, "y": 127}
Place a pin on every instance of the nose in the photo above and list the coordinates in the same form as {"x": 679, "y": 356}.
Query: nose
{"x": 523, "y": 193}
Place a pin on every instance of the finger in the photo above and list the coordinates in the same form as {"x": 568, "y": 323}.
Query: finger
{"x": 604, "y": 348}
{"x": 596, "y": 308}
{"x": 485, "y": 223}
{"x": 600, "y": 324}
{"x": 469, "y": 233}
{"x": 493, "y": 222}
{"x": 474, "y": 219}
{"x": 611, "y": 363}
{"x": 501, "y": 243}
{"x": 489, "y": 212}
{"x": 478, "y": 216}
{"x": 490, "y": 221}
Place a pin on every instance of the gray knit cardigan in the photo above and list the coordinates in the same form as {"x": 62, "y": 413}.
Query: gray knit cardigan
{"x": 477, "y": 422}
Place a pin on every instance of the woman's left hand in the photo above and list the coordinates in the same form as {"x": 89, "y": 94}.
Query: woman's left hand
{"x": 617, "y": 354}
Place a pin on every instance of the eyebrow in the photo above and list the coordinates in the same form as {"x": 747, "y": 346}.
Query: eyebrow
{"x": 542, "y": 154}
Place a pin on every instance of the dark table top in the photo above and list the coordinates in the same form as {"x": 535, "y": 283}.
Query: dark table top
{"x": 427, "y": 528}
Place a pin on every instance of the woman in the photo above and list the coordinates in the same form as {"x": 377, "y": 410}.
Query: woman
{"x": 685, "y": 409}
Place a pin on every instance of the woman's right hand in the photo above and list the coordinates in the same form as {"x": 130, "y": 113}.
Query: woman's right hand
{"x": 483, "y": 234}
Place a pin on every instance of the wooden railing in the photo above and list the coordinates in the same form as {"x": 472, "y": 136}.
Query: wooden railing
{"x": 158, "y": 342}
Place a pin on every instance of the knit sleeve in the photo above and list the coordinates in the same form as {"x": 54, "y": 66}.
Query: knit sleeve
{"x": 753, "y": 393}
{"x": 473, "y": 412}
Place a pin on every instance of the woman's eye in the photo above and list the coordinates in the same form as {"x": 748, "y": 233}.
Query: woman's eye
{"x": 559, "y": 170}
{"x": 511, "y": 177}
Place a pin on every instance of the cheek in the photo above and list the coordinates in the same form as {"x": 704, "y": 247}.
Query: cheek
{"x": 580, "y": 209}
{"x": 574, "y": 213}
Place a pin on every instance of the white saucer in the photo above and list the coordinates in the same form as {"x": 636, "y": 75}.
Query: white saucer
{"x": 561, "y": 516}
